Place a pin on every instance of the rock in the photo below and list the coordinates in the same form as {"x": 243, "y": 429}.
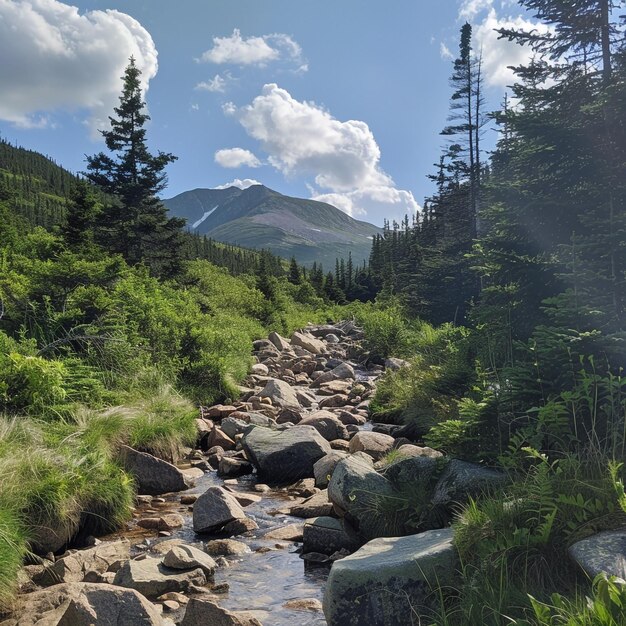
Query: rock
{"x": 309, "y": 343}
{"x": 240, "y": 526}
{"x": 73, "y": 567}
{"x": 206, "y": 613}
{"x": 603, "y": 552}
{"x": 246, "y": 499}
{"x": 355, "y": 488}
{"x": 344, "y": 371}
{"x": 152, "y": 579}
{"x": 316, "y": 506}
{"x": 340, "y": 444}
{"x": 285, "y": 456}
{"x": 324, "y": 468}
{"x": 462, "y": 480}
{"x": 289, "y": 414}
{"x": 218, "y": 438}
{"x": 327, "y": 424}
{"x": 231, "y": 426}
{"x": 281, "y": 394}
{"x": 279, "y": 342}
{"x": 327, "y": 535}
{"x": 323, "y": 378}
{"x": 219, "y": 411}
{"x": 259, "y": 369}
{"x": 334, "y": 401}
{"x": 291, "y": 532}
{"x": 229, "y": 466}
{"x": 347, "y": 418}
{"x": 390, "y": 581}
{"x": 305, "y": 398}
{"x": 85, "y": 604}
{"x": 396, "y": 364}
{"x": 410, "y": 450}
{"x": 304, "y": 604}
{"x": 188, "y": 498}
{"x": 169, "y": 521}
{"x": 188, "y": 557}
{"x": 376, "y": 445}
{"x": 418, "y": 470}
{"x": 214, "y": 509}
{"x": 226, "y": 547}
{"x": 153, "y": 476}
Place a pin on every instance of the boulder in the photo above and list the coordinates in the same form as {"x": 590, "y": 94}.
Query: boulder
{"x": 306, "y": 398}
{"x": 187, "y": 557}
{"x": 357, "y": 489}
{"x": 410, "y": 450}
{"x": 152, "y": 579}
{"x": 281, "y": 394}
{"x": 462, "y": 480}
{"x": 285, "y": 456}
{"x": 72, "y": 568}
{"x": 206, "y": 613}
{"x": 259, "y": 369}
{"x": 218, "y": 438}
{"x": 395, "y": 364}
{"x": 279, "y": 342}
{"x": 603, "y": 552}
{"x": 344, "y": 371}
{"x": 324, "y": 468}
{"x": 391, "y": 581}
{"x": 226, "y": 547}
{"x": 229, "y": 466}
{"x": 153, "y": 476}
{"x": 327, "y": 424}
{"x": 377, "y": 445}
{"x": 291, "y": 532}
{"x": 317, "y": 505}
{"x": 289, "y": 414}
{"x": 327, "y": 535}
{"x": 418, "y": 470}
{"x": 309, "y": 343}
{"x": 85, "y": 604}
{"x": 214, "y": 509}
{"x": 231, "y": 426}
{"x": 334, "y": 401}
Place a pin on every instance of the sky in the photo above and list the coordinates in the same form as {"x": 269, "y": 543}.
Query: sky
{"x": 337, "y": 100}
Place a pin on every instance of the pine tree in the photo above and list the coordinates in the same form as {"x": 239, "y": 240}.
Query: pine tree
{"x": 294, "y": 272}
{"x": 137, "y": 224}
{"x": 83, "y": 210}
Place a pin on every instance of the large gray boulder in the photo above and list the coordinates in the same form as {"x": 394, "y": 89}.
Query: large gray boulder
{"x": 377, "y": 445}
{"x": 317, "y": 505}
{"x": 214, "y": 509}
{"x": 327, "y": 535}
{"x": 313, "y": 345}
{"x": 359, "y": 493}
{"x": 603, "y": 552}
{"x": 279, "y": 342}
{"x": 285, "y": 456}
{"x": 187, "y": 557}
{"x": 344, "y": 371}
{"x": 153, "y": 476}
{"x": 324, "y": 468}
{"x": 462, "y": 480}
{"x": 72, "y": 568}
{"x": 206, "y": 613}
{"x": 84, "y": 604}
{"x": 390, "y": 581}
{"x": 281, "y": 394}
{"x": 152, "y": 579}
{"x": 327, "y": 424}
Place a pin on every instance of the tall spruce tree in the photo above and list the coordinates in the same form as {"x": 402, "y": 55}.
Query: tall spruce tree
{"x": 136, "y": 224}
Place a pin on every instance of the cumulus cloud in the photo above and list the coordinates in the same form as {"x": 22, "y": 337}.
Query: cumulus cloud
{"x": 303, "y": 139}
{"x": 55, "y": 59}
{"x": 217, "y": 84}
{"x": 238, "y": 182}
{"x": 236, "y": 157}
{"x": 445, "y": 52}
{"x": 258, "y": 51}
{"x": 469, "y": 9}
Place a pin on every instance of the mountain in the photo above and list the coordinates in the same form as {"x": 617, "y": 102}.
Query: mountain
{"x": 258, "y": 217}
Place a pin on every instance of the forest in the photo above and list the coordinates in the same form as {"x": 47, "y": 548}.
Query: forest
{"x": 505, "y": 297}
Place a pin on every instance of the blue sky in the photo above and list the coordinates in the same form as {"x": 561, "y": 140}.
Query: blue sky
{"x": 337, "y": 100}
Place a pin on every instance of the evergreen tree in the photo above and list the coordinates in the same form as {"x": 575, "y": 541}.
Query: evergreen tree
{"x": 137, "y": 224}
{"x": 294, "y": 272}
{"x": 83, "y": 210}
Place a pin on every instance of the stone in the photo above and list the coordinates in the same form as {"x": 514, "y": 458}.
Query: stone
{"x": 323, "y": 378}
{"x": 291, "y": 532}
{"x": 324, "y": 468}
{"x": 604, "y": 552}
{"x": 344, "y": 371}
{"x": 377, "y": 445}
{"x": 260, "y": 369}
{"x": 305, "y": 398}
{"x": 188, "y": 498}
{"x": 462, "y": 480}
{"x": 340, "y": 444}
{"x": 240, "y": 526}
{"x": 231, "y": 426}
{"x": 214, "y": 509}
{"x": 72, "y": 568}
{"x": 316, "y": 506}
{"x": 226, "y": 547}
{"x": 327, "y": 424}
{"x": 303, "y": 604}
{"x": 396, "y": 364}
{"x": 85, "y": 604}
{"x": 334, "y": 401}
{"x": 217, "y": 437}
{"x": 411, "y": 450}
{"x": 246, "y": 499}
{"x": 355, "y": 488}
{"x": 347, "y": 418}
{"x": 169, "y": 521}
{"x": 418, "y": 470}
{"x": 188, "y": 557}
{"x": 152, "y": 579}
{"x": 279, "y": 342}
{"x": 389, "y": 581}
{"x": 152, "y": 476}
{"x": 219, "y": 411}
{"x": 281, "y": 394}
{"x": 309, "y": 343}
{"x": 229, "y": 466}
{"x": 327, "y": 535}
{"x": 204, "y": 613}
{"x": 332, "y": 339}
{"x": 289, "y": 414}
{"x": 285, "y": 456}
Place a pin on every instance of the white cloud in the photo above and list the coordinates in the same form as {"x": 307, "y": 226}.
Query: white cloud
{"x": 303, "y": 139}
{"x": 217, "y": 84}
{"x": 236, "y": 157}
{"x": 55, "y": 59}
{"x": 258, "y": 51}
{"x": 445, "y": 52}
{"x": 238, "y": 182}
{"x": 471, "y": 8}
